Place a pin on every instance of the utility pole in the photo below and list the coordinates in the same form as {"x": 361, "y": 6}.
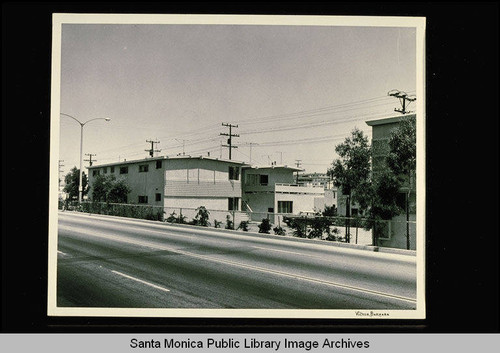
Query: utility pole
{"x": 152, "y": 149}
{"x": 268, "y": 158}
{"x": 183, "y": 144}
{"x": 251, "y": 144}
{"x": 281, "y": 157}
{"x": 230, "y": 139}
{"x": 297, "y": 163}
{"x": 90, "y": 158}
{"x": 403, "y": 98}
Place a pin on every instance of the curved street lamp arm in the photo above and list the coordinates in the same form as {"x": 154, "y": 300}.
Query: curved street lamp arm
{"x": 72, "y": 117}
{"x": 88, "y": 121}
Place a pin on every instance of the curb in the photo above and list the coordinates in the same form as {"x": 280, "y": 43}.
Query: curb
{"x": 369, "y": 248}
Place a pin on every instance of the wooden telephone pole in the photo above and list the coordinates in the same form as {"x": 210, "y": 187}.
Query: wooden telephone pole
{"x": 230, "y": 139}
{"x": 403, "y": 98}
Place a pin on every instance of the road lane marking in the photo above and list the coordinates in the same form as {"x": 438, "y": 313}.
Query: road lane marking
{"x": 233, "y": 263}
{"x": 141, "y": 281}
{"x": 285, "y": 251}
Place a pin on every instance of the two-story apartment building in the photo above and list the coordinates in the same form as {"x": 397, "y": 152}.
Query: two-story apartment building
{"x": 182, "y": 182}
{"x": 272, "y": 190}
{"x": 394, "y": 235}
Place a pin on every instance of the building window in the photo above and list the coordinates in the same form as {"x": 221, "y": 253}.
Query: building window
{"x": 264, "y": 179}
{"x": 95, "y": 172}
{"x": 105, "y": 170}
{"x": 285, "y": 206}
{"x": 158, "y": 164}
{"x": 143, "y": 168}
{"x": 270, "y": 210}
{"x": 157, "y": 197}
{"x": 234, "y": 173}
{"x": 143, "y": 199}
{"x": 123, "y": 170}
{"x": 233, "y": 203}
{"x": 112, "y": 169}
{"x": 251, "y": 179}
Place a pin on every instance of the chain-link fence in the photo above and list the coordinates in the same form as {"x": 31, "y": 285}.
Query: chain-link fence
{"x": 354, "y": 230}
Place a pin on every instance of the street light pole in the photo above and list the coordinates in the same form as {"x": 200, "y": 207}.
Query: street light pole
{"x": 80, "y": 181}
{"x": 80, "y": 184}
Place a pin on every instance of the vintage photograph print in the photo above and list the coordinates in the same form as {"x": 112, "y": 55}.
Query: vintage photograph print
{"x": 237, "y": 167}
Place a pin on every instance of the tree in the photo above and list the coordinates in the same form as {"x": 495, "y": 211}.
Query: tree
{"x": 383, "y": 201}
{"x": 402, "y": 160}
{"x": 351, "y": 172}
{"x": 107, "y": 189}
{"x": 72, "y": 180}
{"x": 118, "y": 192}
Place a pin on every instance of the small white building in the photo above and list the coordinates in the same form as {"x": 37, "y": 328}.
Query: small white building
{"x": 269, "y": 190}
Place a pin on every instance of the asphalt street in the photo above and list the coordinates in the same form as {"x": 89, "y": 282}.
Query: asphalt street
{"x": 124, "y": 263}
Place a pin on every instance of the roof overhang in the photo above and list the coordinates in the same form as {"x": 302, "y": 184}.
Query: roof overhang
{"x": 166, "y": 158}
{"x": 389, "y": 120}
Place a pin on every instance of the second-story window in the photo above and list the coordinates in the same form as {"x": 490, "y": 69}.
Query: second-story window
{"x": 143, "y": 199}
{"x": 264, "y": 179}
{"x": 234, "y": 173}
{"x": 158, "y": 164}
{"x": 95, "y": 172}
{"x": 112, "y": 169}
{"x": 143, "y": 168}
{"x": 124, "y": 170}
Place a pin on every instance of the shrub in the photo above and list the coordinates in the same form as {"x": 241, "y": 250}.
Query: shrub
{"x": 201, "y": 218}
{"x": 265, "y": 226}
{"x": 243, "y": 226}
{"x": 319, "y": 226}
{"x": 334, "y": 235}
{"x": 279, "y": 231}
{"x": 172, "y": 218}
{"x": 299, "y": 226}
{"x": 330, "y": 211}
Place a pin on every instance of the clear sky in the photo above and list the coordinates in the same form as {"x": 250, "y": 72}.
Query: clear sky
{"x": 294, "y": 91}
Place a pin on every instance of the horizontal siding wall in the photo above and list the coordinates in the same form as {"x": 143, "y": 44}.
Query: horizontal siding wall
{"x": 228, "y": 188}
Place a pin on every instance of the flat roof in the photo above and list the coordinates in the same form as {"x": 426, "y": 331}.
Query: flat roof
{"x": 272, "y": 167}
{"x": 166, "y": 158}
{"x": 388, "y": 120}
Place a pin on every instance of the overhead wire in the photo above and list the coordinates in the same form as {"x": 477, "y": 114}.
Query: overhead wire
{"x": 306, "y": 117}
